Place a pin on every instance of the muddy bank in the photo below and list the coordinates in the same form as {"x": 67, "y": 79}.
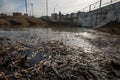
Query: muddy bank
{"x": 21, "y": 21}
{"x": 112, "y": 28}
{"x": 53, "y": 60}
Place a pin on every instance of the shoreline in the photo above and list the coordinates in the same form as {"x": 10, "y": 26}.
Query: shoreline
{"x": 25, "y": 22}
{"x": 112, "y": 28}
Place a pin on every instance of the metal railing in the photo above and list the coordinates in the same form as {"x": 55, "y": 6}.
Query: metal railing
{"x": 96, "y": 5}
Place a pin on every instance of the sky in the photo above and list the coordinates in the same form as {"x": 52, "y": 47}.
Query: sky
{"x": 39, "y": 6}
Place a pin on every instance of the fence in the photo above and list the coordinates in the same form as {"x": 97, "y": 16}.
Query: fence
{"x": 98, "y": 4}
{"x": 88, "y": 8}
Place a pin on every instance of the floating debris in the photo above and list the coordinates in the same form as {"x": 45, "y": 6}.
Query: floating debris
{"x": 57, "y": 62}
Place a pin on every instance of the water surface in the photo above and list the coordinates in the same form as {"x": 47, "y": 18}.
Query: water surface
{"x": 89, "y": 40}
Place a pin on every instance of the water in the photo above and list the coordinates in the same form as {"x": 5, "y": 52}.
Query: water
{"x": 89, "y": 40}
{"x": 42, "y": 33}
{"x": 72, "y": 36}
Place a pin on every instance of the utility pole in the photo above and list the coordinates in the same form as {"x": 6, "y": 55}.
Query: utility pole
{"x": 46, "y": 7}
{"x": 26, "y": 7}
{"x": 32, "y": 9}
{"x": 30, "y": 13}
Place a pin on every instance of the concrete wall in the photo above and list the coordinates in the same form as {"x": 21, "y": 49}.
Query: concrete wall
{"x": 93, "y": 18}
{"x": 100, "y": 16}
{"x": 118, "y": 7}
{"x": 119, "y": 16}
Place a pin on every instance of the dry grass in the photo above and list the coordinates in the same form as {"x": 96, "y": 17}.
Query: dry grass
{"x": 18, "y": 20}
{"x": 4, "y": 22}
{"x": 37, "y": 21}
{"x": 22, "y": 21}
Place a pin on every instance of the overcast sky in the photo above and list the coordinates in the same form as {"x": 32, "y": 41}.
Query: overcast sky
{"x": 65, "y": 6}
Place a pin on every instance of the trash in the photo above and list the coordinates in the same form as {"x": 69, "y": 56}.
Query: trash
{"x": 59, "y": 62}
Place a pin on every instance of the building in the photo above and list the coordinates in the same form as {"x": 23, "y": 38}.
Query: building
{"x": 17, "y": 14}
{"x": 3, "y": 15}
{"x": 54, "y": 16}
{"x": 57, "y": 17}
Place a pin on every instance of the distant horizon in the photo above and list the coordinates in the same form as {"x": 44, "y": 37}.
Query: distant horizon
{"x": 39, "y": 6}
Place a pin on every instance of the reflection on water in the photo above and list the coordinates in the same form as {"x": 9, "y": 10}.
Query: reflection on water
{"x": 89, "y": 41}
{"x": 72, "y": 36}
{"x": 42, "y": 33}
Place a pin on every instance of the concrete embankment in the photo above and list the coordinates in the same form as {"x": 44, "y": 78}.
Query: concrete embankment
{"x": 111, "y": 27}
{"x": 21, "y": 21}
